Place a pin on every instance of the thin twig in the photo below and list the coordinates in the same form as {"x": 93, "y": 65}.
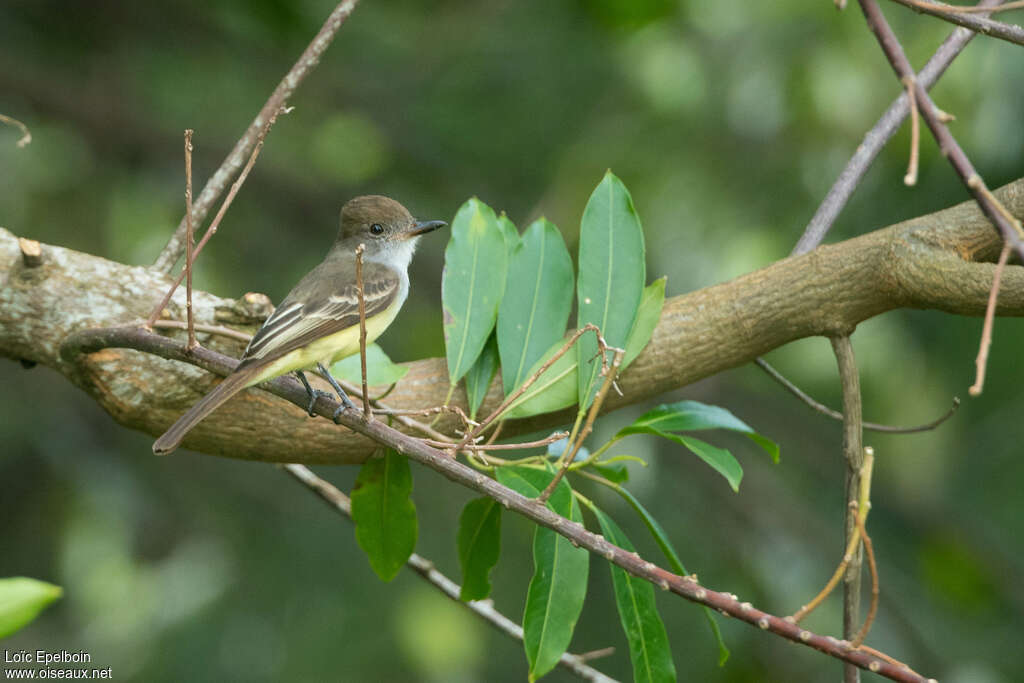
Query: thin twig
{"x": 860, "y": 508}
{"x": 511, "y": 398}
{"x": 981, "y": 362}
{"x": 948, "y": 145}
{"x": 570, "y": 452}
{"x": 853, "y": 453}
{"x": 199, "y": 327}
{"x": 910, "y": 179}
{"x": 26, "y": 136}
{"x": 869, "y": 551}
{"x": 305, "y": 64}
{"x": 82, "y": 342}
{"x": 836, "y": 415}
{"x": 876, "y": 138}
{"x": 556, "y": 436}
{"x": 964, "y": 16}
{"x": 425, "y": 568}
{"x": 362, "y": 329}
{"x": 189, "y": 240}
{"x": 212, "y": 230}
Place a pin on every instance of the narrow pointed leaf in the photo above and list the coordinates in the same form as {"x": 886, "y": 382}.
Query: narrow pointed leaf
{"x": 533, "y": 317}
{"x": 379, "y": 368}
{"x": 479, "y": 542}
{"x": 634, "y": 597}
{"x": 472, "y": 284}
{"x": 559, "y": 584}
{"x": 611, "y": 276}
{"x": 384, "y": 514}
{"x": 647, "y": 318}
{"x": 669, "y": 551}
{"x": 21, "y": 600}
{"x": 553, "y": 390}
{"x": 689, "y": 416}
{"x": 480, "y": 376}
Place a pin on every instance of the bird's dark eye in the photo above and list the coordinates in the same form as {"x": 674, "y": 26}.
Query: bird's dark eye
{"x": 377, "y": 229}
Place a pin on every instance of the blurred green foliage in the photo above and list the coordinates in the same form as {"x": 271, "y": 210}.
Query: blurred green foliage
{"x": 727, "y": 120}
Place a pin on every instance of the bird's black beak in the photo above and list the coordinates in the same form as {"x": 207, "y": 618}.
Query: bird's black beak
{"x": 422, "y": 227}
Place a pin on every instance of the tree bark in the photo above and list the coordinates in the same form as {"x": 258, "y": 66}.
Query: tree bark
{"x": 940, "y": 261}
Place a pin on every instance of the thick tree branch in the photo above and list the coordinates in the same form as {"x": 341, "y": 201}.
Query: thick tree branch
{"x": 979, "y": 24}
{"x": 939, "y": 261}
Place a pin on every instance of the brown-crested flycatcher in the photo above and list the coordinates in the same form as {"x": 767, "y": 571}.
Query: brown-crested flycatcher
{"x": 317, "y": 324}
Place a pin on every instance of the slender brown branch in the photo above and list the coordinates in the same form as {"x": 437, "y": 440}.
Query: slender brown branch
{"x": 853, "y": 452}
{"x": 212, "y": 230}
{"x": 425, "y": 568}
{"x": 305, "y": 64}
{"x": 199, "y": 327}
{"x": 876, "y": 138}
{"x": 947, "y": 143}
{"x": 869, "y": 551}
{"x": 89, "y": 341}
{"x": 189, "y": 241}
{"x": 26, "y": 135}
{"x": 572, "y": 449}
{"x": 981, "y": 362}
{"x": 836, "y": 415}
{"x": 860, "y": 508}
{"x": 910, "y": 179}
{"x": 550, "y": 439}
{"x": 967, "y": 9}
{"x": 964, "y": 16}
{"x": 362, "y": 329}
{"x": 511, "y": 398}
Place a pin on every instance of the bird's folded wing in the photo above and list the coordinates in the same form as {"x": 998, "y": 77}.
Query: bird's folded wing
{"x": 305, "y": 316}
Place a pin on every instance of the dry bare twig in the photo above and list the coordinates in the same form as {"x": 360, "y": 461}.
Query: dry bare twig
{"x": 981, "y": 362}
{"x": 215, "y": 186}
{"x": 965, "y": 16}
{"x": 836, "y": 415}
{"x": 212, "y": 230}
{"x": 26, "y": 135}
{"x": 948, "y": 145}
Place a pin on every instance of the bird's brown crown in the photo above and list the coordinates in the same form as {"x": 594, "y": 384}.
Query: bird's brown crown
{"x": 360, "y": 215}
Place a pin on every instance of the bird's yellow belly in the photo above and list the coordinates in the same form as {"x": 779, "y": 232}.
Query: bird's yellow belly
{"x": 330, "y": 349}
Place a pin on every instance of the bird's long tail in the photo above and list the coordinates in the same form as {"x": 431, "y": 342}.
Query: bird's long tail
{"x": 231, "y": 385}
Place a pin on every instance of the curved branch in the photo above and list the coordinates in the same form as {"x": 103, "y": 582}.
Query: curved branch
{"x": 687, "y": 587}
{"x": 1011, "y": 33}
{"x": 939, "y": 261}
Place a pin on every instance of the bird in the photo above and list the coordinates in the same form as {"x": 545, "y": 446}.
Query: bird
{"x": 317, "y": 323}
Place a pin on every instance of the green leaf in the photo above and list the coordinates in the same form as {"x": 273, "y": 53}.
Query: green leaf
{"x": 533, "y": 317}
{"x": 379, "y": 368}
{"x": 559, "y": 584}
{"x": 479, "y": 542}
{"x": 509, "y": 232}
{"x": 689, "y": 416}
{"x": 554, "y": 390}
{"x": 661, "y": 538}
{"x": 384, "y": 514}
{"x": 611, "y": 276}
{"x": 479, "y": 377}
{"x": 720, "y": 459}
{"x": 634, "y": 597}
{"x": 472, "y": 284}
{"x": 614, "y": 473}
{"x": 21, "y": 600}
{"x": 647, "y": 318}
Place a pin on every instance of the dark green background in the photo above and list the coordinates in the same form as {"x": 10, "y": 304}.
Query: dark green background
{"x": 727, "y": 120}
